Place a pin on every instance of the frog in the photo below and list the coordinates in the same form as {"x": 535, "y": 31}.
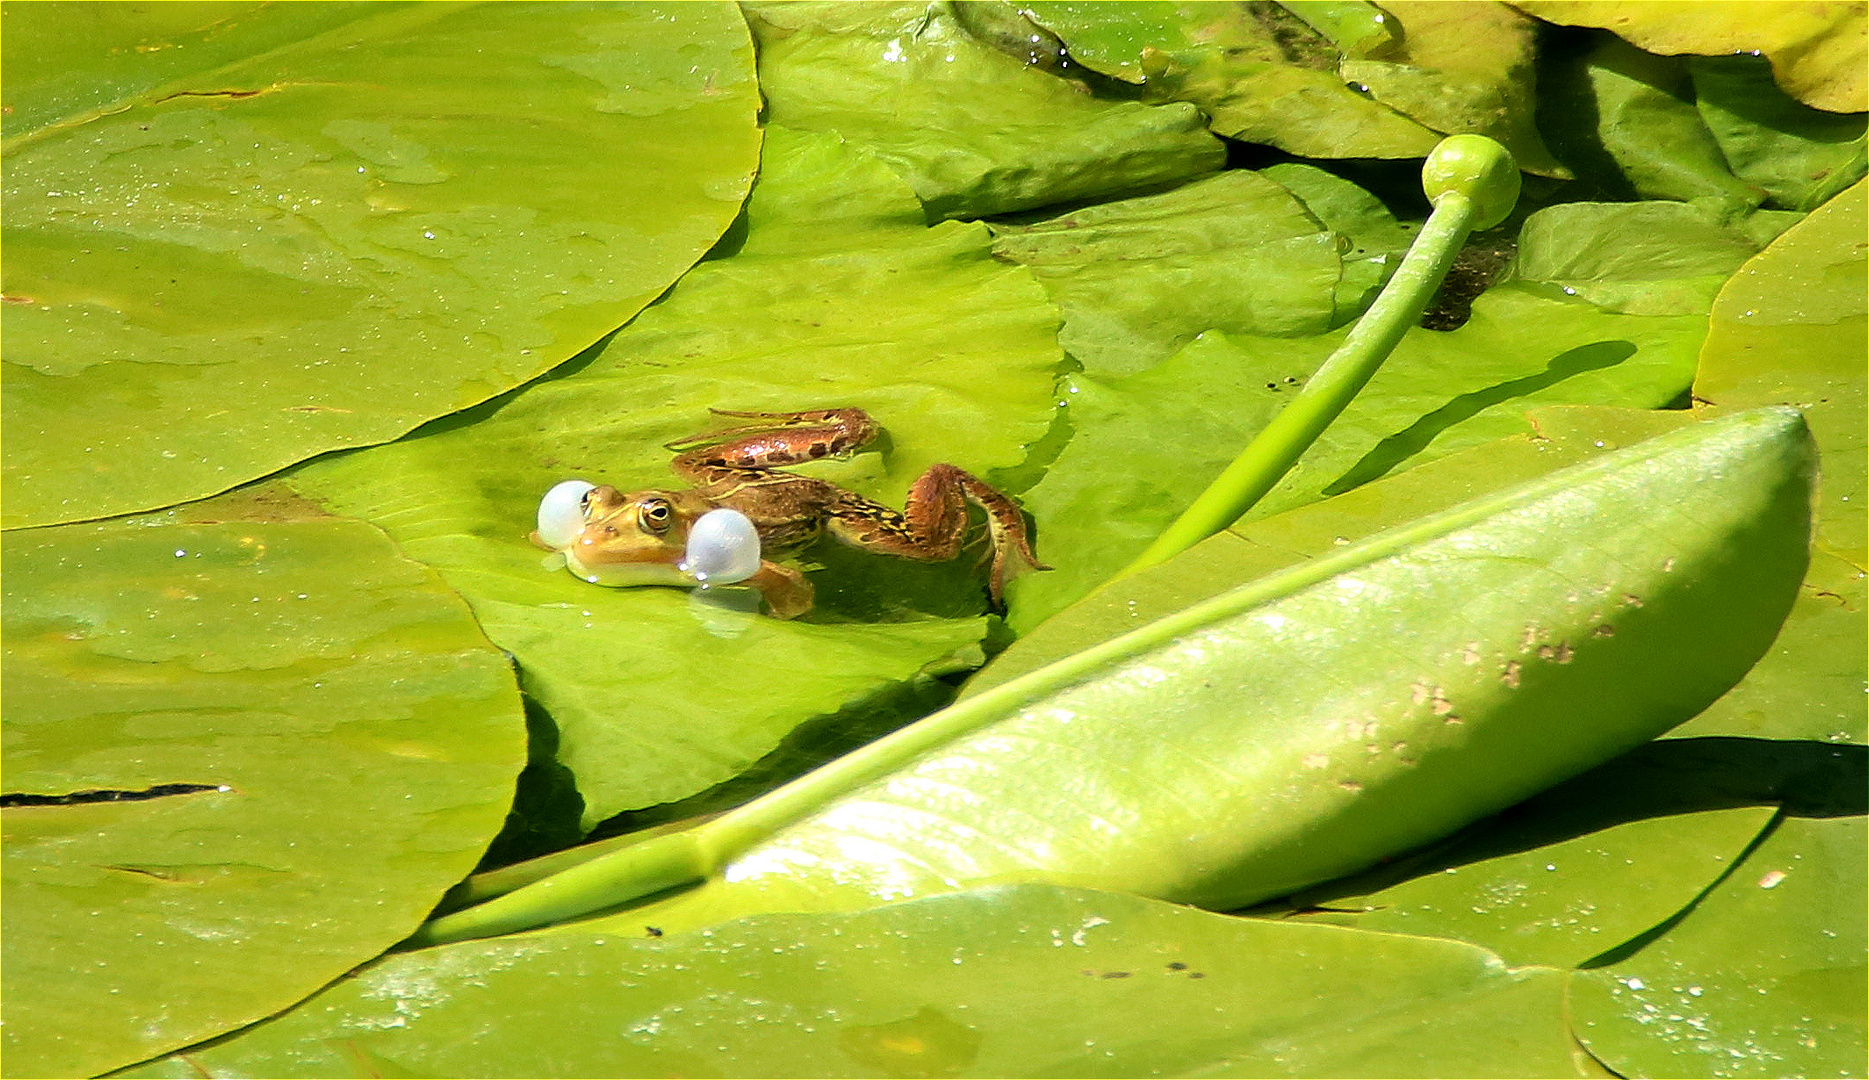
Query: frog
{"x": 640, "y": 537}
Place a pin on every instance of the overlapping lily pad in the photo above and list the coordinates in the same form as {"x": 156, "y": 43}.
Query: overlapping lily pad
{"x": 1800, "y": 156}
{"x": 1159, "y": 437}
{"x": 1137, "y": 278}
{"x": 247, "y": 746}
{"x": 836, "y": 294}
{"x": 283, "y": 230}
{"x": 1816, "y": 49}
{"x": 1024, "y": 981}
{"x": 1346, "y": 80}
{"x": 974, "y": 131}
{"x": 1763, "y": 978}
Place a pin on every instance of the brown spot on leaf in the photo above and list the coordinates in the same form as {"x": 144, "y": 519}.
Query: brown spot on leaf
{"x": 1510, "y": 674}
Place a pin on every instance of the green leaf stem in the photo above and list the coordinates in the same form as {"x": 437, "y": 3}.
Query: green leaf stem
{"x": 1473, "y": 184}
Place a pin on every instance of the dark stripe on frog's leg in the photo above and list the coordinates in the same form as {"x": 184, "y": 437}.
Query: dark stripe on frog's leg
{"x": 933, "y": 522}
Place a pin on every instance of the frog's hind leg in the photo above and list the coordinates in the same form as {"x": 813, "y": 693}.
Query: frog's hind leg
{"x": 932, "y": 524}
{"x": 777, "y": 440}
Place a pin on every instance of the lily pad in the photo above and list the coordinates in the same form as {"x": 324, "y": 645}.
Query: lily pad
{"x": 1801, "y": 156}
{"x": 1263, "y": 76}
{"x": 974, "y": 131}
{"x": 836, "y": 294}
{"x": 1816, "y": 49}
{"x": 1625, "y": 121}
{"x": 247, "y": 747}
{"x": 1789, "y": 328}
{"x": 304, "y": 229}
{"x": 1461, "y": 68}
{"x": 1342, "y": 80}
{"x": 1019, "y": 981}
{"x": 1150, "y": 443}
{"x": 1523, "y": 888}
{"x": 1789, "y": 1001}
{"x": 1138, "y": 278}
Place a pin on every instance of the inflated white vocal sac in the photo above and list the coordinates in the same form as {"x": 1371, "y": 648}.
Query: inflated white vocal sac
{"x": 561, "y": 514}
{"x": 723, "y": 547}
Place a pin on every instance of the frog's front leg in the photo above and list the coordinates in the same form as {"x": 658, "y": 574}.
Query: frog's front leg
{"x": 933, "y": 523}
{"x": 787, "y": 593}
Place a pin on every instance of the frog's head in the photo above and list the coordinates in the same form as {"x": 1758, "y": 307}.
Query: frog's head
{"x": 614, "y": 538}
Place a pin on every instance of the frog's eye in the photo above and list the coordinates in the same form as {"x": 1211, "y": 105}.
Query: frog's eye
{"x": 655, "y": 514}
{"x": 561, "y": 513}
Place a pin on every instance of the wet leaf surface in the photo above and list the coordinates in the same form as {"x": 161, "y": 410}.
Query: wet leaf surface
{"x": 1022, "y": 981}
{"x": 974, "y": 131}
{"x": 1763, "y": 977}
{"x": 346, "y": 740}
{"x": 1815, "y": 49}
{"x": 297, "y": 229}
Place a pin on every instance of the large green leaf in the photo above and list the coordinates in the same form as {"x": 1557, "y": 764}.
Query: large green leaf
{"x": 1816, "y": 49}
{"x": 1385, "y": 85}
{"x": 836, "y": 294}
{"x": 1790, "y": 328}
{"x": 1560, "y": 879}
{"x": 973, "y": 130}
{"x": 247, "y": 746}
{"x": 1022, "y": 981}
{"x": 301, "y": 227}
{"x": 1801, "y": 156}
{"x": 1138, "y": 278}
{"x": 1763, "y": 978}
{"x": 1345, "y": 711}
{"x": 1625, "y": 120}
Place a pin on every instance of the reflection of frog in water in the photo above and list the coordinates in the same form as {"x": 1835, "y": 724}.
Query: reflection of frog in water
{"x": 639, "y": 537}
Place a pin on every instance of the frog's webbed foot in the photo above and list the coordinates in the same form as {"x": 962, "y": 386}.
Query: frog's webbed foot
{"x": 788, "y": 595}
{"x": 933, "y": 523}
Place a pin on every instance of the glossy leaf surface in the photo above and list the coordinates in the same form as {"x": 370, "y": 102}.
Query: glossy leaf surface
{"x": 974, "y": 131}
{"x": 345, "y": 737}
{"x": 310, "y": 227}
{"x": 1791, "y": 1000}
{"x": 1815, "y": 49}
{"x": 1137, "y": 278}
{"x": 1022, "y": 981}
{"x": 836, "y": 294}
{"x": 1270, "y": 76}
